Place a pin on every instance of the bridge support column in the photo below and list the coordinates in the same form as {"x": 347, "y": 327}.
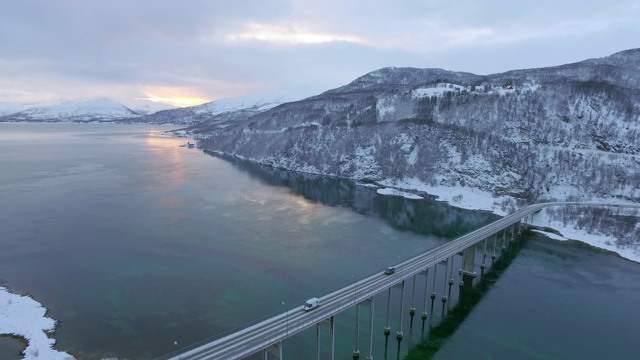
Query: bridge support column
{"x": 426, "y": 290}
{"x": 412, "y": 309}
{"x": 520, "y": 227}
{"x": 484, "y": 256}
{"x": 275, "y": 348}
{"x": 495, "y": 242}
{"x": 318, "y": 341}
{"x": 444, "y": 284}
{"x": 331, "y": 323}
{"x": 356, "y": 352}
{"x": 468, "y": 265}
{"x": 513, "y": 232}
{"x": 333, "y": 338}
{"x": 399, "y": 334}
{"x": 433, "y": 288}
{"x": 370, "y": 357}
{"x": 451, "y": 275}
{"x": 387, "y": 329}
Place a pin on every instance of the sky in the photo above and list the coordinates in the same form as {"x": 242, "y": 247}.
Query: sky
{"x": 191, "y": 52}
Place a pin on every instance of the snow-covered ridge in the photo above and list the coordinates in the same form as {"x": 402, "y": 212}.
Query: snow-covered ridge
{"x": 91, "y": 109}
{"x": 233, "y": 104}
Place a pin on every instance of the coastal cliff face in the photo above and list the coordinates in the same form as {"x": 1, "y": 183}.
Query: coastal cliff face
{"x": 570, "y": 132}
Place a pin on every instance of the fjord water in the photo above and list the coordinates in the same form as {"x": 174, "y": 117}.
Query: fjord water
{"x": 135, "y": 244}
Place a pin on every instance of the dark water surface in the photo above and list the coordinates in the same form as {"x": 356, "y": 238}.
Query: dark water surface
{"x": 134, "y": 243}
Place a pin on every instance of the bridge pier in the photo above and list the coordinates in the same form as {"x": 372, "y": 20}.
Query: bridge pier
{"x": 412, "y": 309}
{"x": 331, "y": 323}
{"x": 444, "y": 297}
{"x": 451, "y": 275}
{"x": 426, "y": 290}
{"x": 467, "y": 272}
{"x": 387, "y": 329}
{"x": 318, "y": 341}
{"x": 356, "y": 352}
{"x": 433, "y": 288}
{"x": 276, "y": 348}
{"x": 399, "y": 334}
{"x": 484, "y": 256}
{"x": 495, "y": 241}
{"x": 370, "y": 357}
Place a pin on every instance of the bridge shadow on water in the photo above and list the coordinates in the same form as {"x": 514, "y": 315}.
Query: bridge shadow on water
{"x": 469, "y": 297}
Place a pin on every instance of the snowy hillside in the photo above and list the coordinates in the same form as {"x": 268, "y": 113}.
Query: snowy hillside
{"x": 570, "y": 132}
{"x": 92, "y": 109}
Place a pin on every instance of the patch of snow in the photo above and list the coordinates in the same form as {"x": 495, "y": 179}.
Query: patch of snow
{"x": 550, "y": 235}
{"x": 458, "y": 196}
{"x": 366, "y": 184}
{"x": 22, "y": 316}
{"x": 394, "y": 192}
{"x": 435, "y": 90}
{"x": 413, "y": 156}
{"x": 384, "y": 107}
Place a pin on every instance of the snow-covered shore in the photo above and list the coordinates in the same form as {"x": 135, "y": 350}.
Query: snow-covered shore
{"x": 24, "y": 317}
{"x": 475, "y": 199}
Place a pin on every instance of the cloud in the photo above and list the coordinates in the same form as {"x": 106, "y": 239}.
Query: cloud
{"x": 287, "y": 34}
{"x": 211, "y": 49}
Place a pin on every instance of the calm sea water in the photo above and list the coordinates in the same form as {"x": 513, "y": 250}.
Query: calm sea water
{"x": 134, "y": 243}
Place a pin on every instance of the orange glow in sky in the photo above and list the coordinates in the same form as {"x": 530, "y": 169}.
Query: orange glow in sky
{"x": 178, "y": 101}
{"x": 181, "y": 97}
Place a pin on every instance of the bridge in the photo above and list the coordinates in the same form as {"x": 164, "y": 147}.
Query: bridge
{"x": 269, "y": 334}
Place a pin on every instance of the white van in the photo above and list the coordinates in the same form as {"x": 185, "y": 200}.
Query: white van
{"x": 311, "y": 304}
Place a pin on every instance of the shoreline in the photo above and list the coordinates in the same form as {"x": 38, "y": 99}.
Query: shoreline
{"x": 22, "y": 317}
{"x": 479, "y": 200}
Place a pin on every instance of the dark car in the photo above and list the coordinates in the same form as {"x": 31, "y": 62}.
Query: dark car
{"x": 390, "y": 270}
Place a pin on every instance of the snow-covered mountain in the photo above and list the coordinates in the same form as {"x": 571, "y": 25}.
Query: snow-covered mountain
{"x": 565, "y": 132}
{"x": 219, "y": 110}
{"x": 91, "y": 109}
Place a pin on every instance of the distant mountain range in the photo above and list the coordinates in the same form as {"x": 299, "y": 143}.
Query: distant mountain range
{"x": 139, "y": 111}
{"x": 93, "y": 109}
